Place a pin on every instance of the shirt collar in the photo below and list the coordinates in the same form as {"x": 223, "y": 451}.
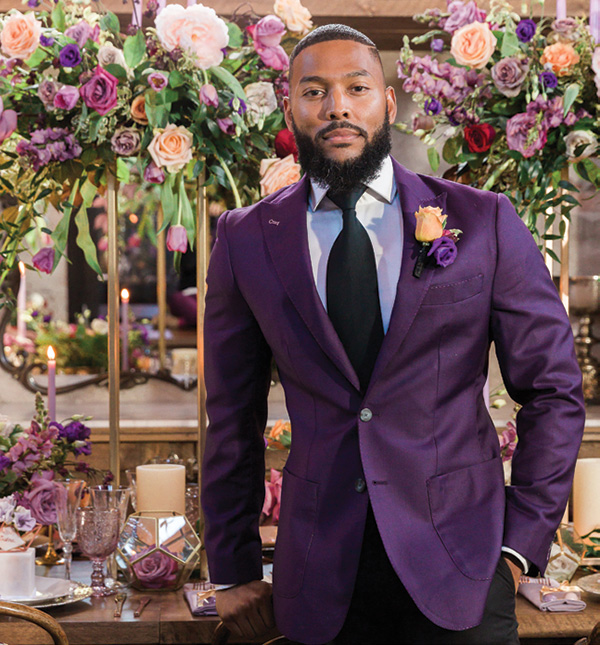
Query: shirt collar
{"x": 383, "y": 186}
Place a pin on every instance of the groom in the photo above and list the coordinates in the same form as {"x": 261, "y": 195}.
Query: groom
{"x": 395, "y": 525}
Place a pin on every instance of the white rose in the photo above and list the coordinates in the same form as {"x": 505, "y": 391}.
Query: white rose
{"x": 296, "y": 17}
{"x": 37, "y": 301}
{"x": 109, "y": 54}
{"x": 576, "y": 139}
{"x": 6, "y": 427}
{"x": 260, "y": 100}
{"x": 99, "y": 326}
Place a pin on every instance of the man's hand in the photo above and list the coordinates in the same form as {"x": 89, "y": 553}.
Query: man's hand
{"x": 515, "y": 570}
{"x": 247, "y": 610}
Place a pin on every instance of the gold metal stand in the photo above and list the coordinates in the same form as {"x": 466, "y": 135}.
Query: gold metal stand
{"x": 161, "y": 290}
{"x": 51, "y": 557}
{"x": 114, "y": 367}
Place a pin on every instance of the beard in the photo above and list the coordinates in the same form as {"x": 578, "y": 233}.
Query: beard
{"x": 343, "y": 176}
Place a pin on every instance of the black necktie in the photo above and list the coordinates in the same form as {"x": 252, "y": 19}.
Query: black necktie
{"x": 352, "y": 294}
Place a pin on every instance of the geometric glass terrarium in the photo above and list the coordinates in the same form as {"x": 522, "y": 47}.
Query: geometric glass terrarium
{"x": 158, "y": 550}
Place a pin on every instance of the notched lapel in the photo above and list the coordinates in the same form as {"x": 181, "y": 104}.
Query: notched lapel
{"x": 284, "y": 228}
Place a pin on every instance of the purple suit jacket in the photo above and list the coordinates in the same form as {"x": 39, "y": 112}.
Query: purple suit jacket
{"x": 424, "y": 442}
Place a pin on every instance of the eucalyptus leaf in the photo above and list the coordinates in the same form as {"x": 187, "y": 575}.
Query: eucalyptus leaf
{"x": 571, "y": 93}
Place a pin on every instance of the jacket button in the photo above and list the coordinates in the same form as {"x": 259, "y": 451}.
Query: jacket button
{"x": 360, "y": 485}
{"x": 366, "y": 414}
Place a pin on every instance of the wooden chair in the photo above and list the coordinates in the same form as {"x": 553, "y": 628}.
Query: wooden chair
{"x": 221, "y": 636}
{"x": 46, "y": 622}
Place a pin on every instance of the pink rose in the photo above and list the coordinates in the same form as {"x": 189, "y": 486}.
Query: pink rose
{"x": 209, "y": 96}
{"x": 196, "y": 29}
{"x": 100, "y": 92}
{"x": 43, "y": 260}
{"x": 473, "y": 45}
{"x": 171, "y": 147}
{"x": 268, "y": 31}
{"x": 177, "y": 238}
{"x": 155, "y": 571}
{"x": 8, "y": 122}
{"x": 81, "y": 33}
{"x": 227, "y": 125}
{"x": 278, "y": 173}
{"x": 274, "y": 57}
{"x": 66, "y": 98}
{"x": 20, "y": 35}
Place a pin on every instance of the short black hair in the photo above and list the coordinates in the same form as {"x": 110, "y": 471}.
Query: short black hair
{"x": 334, "y": 32}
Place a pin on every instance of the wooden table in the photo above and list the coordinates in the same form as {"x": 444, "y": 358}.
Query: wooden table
{"x": 167, "y": 619}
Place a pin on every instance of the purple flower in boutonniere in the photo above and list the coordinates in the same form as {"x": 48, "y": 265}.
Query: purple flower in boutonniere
{"x": 436, "y": 241}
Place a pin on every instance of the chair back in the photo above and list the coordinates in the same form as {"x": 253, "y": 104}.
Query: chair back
{"x": 32, "y": 615}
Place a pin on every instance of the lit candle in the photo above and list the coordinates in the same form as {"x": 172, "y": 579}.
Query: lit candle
{"x": 135, "y": 13}
{"x": 561, "y": 9}
{"x": 586, "y": 501}
{"x": 124, "y": 330}
{"x": 160, "y": 487}
{"x": 21, "y": 303}
{"x": 595, "y": 19}
{"x": 51, "y": 383}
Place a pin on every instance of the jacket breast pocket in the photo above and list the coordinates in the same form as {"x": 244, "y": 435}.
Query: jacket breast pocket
{"x": 452, "y": 292}
{"x": 299, "y": 503}
{"x": 467, "y": 511}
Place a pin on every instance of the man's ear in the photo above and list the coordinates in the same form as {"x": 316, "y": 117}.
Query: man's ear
{"x": 287, "y": 112}
{"x": 390, "y": 99}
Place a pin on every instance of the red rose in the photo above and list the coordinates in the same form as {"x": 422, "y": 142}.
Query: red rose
{"x": 285, "y": 144}
{"x": 479, "y": 137}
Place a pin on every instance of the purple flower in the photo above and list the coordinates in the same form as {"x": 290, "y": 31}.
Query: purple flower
{"x": 43, "y": 260}
{"x": 566, "y": 27}
{"x": 526, "y": 30}
{"x": 227, "y": 125}
{"x": 157, "y": 81}
{"x": 548, "y": 80}
{"x": 82, "y": 467}
{"x": 23, "y": 520}
{"x": 156, "y": 570}
{"x": 437, "y": 44}
{"x": 4, "y": 462}
{"x": 46, "y": 41}
{"x": 443, "y": 250}
{"x": 177, "y": 238}
{"x": 432, "y": 107}
{"x": 462, "y": 14}
{"x": 74, "y": 431}
{"x": 209, "y": 96}
{"x": 40, "y": 499}
{"x": 8, "y": 122}
{"x": 153, "y": 174}
{"x": 509, "y": 74}
{"x": 100, "y": 92}
{"x": 125, "y": 141}
{"x": 47, "y": 318}
{"x": 66, "y": 98}
{"x": 268, "y": 31}
{"x": 274, "y": 57}
{"x": 33, "y": 3}
{"x": 47, "y": 91}
{"x": 80, "y": 33}
{"x": 70, "y": 56}
{"x": 525, "y": 134}
{"x": 243, "y": 107}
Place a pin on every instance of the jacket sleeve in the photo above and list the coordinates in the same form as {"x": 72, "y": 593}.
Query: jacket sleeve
{"x": 535, "y": 350}
{"x": 237, "y": 374}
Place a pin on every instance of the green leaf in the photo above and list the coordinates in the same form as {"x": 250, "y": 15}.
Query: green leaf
{"x": 36, "y": 58}
{"x": 168, "y": 201}
{"x": 88, "y": 192}
{"x": 571, "y": 93}
{"x": 84, "y": 239}
{"x": 176, "y": 79}
{"x": 117, "y": 70}
{"x": 58, "y": 17}
{"x": 61, "y": 232}
{"x": 187, "y": 215}
{"x": 230, "y": 80}
{"x": 122, "y": 171}
{"x": 158, "y": 115}
{"x": 110, "y": 22}
{"x": 134, "y": 49}
{"x": 236, "y": 36}
{"x": 510, "y": 44}
{"x": 434, "y": 159}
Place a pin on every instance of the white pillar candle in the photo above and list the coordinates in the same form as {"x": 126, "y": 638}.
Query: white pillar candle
{"x": 561, "y": 9}
{"x": 124, "y": 330}
{"x": 51, "y": 383}
{"x": 586, "y": 501}
{"x": 160, "y": 487}
{"x": 21, "y": 303}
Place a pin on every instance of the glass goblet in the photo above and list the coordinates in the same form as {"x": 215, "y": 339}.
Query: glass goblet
{"x": 97, "y": 535}
{"x": 67, "y": 498}
{"x": 109, "y": 496}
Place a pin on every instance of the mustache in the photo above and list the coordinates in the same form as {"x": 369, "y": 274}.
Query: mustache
{"x": 338, "y": 125}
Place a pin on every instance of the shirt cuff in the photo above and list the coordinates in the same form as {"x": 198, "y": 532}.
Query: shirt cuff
{"x": 223, "y": 587}
{"x": 522, "y": 559}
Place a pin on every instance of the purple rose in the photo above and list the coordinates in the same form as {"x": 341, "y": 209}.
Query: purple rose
{"x": 46, "y": 41}
{"x": 66, "y": 98}
{"x": 227, "y": 125}
{"x": 274, "y": 57}
{"x": 177, "y": 238}
{"x": 126, "y": 142}
{"x": 70, "y": 56}
{"x": 509, "y": 75}
{"x": 153, "y": 174}
{"x": 156, "y": 570}
{"x": 548, "y": 80}
{"x": 157, "y": 81}
{"x": 209, "y": 96}
{"x": 100, "y": 92}
{"x": 462, "y": 14}
{"x": 526, "y": 30}
{"x": 432, "y": 107}
{"x": 566, "y": 27}
{"x": 443, "y": 250}
{"x": 43, "y": 260}
{"x": 268, "y": 31}
{"x": 46, "y": 92}
{"x": 40, "y": 500}
{"x": 80, "y": 33}
{"x": 437, "y": 45}
{"x": 524, "y": 134}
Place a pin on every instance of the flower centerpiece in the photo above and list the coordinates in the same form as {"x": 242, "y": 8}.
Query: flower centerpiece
{"x": 192, "y": 94}
{"x": 513, "y": 105}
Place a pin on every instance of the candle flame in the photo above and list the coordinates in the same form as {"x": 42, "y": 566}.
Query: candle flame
{"x": 125, "y": 295}
{"x": 21, "y": 269}
{"x": 51, "y": 353}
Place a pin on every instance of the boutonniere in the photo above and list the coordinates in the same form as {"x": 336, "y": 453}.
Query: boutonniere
{"x": 437, "y": 243}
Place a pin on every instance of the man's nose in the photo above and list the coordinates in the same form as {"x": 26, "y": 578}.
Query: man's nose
{"x": 337, "y": 106}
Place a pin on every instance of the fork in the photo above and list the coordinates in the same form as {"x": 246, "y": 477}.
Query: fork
{"x": 120, "y": 599}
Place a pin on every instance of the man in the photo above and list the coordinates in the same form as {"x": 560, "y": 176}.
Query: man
{"x": 395, "y": 524}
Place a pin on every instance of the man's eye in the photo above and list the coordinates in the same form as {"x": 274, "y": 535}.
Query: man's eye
{"x": 359, "y": 88}
{"x": 313, "y": 92}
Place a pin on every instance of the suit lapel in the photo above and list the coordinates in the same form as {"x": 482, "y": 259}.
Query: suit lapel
{"x": 283, "y": 222}
{"x": 410, "y": 291}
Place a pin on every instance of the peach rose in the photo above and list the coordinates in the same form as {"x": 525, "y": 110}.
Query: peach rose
{"x": 561, "y": 56}
{"x": 430, "y": 223}
{"x": 277, "y": 173}
{"x": 20, "y": 35}
{"x": 196, "y": 29}
{"x": 296, "y": 17}
{"x": 171, "y": 147}
{"x": 279, "y": 428}
{"x": 473, "y": 45}
{"x": 138, "y": 110}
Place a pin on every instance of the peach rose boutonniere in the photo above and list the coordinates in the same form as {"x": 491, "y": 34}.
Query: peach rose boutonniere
{"x": 437, "y": 243}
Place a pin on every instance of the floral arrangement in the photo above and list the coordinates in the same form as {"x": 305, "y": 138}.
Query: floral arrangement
{"x": 515, "y": 104}
{"x": 17, "y": 525}
{"x": 437, "y": 242}
{"x": 280, "y": 436}
{"x": 191, "y": 95}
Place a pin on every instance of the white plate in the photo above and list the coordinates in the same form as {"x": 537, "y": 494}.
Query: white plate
{"x": 46, "y": 589}
{"x": 590, "y": 583}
